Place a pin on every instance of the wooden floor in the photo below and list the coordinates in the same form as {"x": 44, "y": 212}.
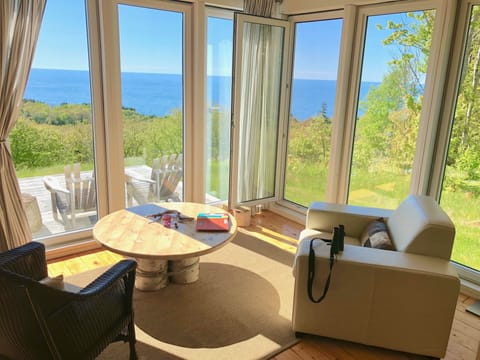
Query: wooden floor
{"x": 464, "y": 338}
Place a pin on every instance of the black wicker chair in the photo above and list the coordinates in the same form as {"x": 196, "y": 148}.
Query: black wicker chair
{"x": 38, "y": 321}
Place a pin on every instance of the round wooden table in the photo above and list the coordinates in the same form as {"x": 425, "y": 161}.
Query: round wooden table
{"x": 162, "y": 252}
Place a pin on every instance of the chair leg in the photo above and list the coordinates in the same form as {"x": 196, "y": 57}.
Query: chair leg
{"x": 132, "y": 340}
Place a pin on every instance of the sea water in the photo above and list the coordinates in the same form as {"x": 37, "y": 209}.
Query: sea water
{"x": 159, "y": 94}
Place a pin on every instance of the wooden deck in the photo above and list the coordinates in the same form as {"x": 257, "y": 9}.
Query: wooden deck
{"x": 35, "y": 187}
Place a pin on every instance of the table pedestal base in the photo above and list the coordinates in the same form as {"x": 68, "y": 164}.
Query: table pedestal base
{"x": 151, "y": 274}
{"x": 185, "y": 271}
{"x": 154, "y": 274}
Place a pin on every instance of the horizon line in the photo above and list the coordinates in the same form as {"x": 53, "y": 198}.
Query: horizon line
{"x": 167, "y": 73}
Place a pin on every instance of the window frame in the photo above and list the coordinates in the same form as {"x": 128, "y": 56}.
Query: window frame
{"x": 290, "y": 46}
{"x": 431, "y": 99}
{"x": 226, "y": 14}
{"x": 239, "y": 20}
{"x": 113, "y": 102}
{"x": 453, "y": 72}
{"x": 98, "y": 133}
{"x": 348, "y": 81}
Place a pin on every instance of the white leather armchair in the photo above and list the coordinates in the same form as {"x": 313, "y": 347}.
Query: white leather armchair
{"x": 403, "y": 300}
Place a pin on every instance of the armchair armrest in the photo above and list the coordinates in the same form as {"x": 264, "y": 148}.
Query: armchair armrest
{"x": 132, "y": 175}
{"x": 371, "y": 257}
{"x": 50, "y": 299}
{"x": 324, "y": 216}
{"x": 53, "y": 185}
{"x": 121, "y": 269}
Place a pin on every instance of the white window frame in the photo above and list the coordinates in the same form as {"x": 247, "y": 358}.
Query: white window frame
{"x": 113, "y": 101}
{"x": 288, "y": 207}
{"x": 470, "y": 277}
{"x": 234, "y": 141}
{"x": 431, "y": 101}
{"x": 219, "y": 13}
{"x": 93, "y": 29}
{"x": 348, "y": 80}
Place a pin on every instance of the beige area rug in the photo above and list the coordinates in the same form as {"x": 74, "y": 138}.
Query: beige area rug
{"x": 240, "y": 308}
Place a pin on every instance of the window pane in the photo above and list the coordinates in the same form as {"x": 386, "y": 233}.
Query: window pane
{"x": 54, "y": 128}
{"x": 393, "y": 75}
{"x": 461, "y": 185}
{"x": 219, "y": 92}
{"x": 311, "y": 109}
{"x": 151, "y": 60}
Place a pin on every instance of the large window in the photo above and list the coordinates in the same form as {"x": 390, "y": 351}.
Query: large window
{"x": 311, "y": 109}
{"x": 151, "y": 61}
{"x": 52, "y": 143}
{"x": 390, "y": 101}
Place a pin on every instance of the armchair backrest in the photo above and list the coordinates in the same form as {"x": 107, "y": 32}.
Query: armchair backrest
{"x": 420, "y": 226}
{"x": 21, "y": 336}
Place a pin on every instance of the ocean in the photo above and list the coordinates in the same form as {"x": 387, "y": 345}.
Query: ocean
{"x": 158, "y": 94}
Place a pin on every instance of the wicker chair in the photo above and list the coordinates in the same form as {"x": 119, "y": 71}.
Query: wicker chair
{"x": 38, "y": 321}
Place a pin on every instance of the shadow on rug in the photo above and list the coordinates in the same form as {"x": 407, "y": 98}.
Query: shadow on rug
{"x": 240, "y": 308}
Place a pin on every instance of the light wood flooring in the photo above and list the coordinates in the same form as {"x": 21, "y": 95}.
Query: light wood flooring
{"x": 464, "y": 339}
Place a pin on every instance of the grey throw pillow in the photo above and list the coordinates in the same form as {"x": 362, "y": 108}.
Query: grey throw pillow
{"x": 376, "y": 236}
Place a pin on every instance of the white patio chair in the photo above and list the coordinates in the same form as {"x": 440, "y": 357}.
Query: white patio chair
{"x": 162, "y": 184}
{"x": 76, "y": 198}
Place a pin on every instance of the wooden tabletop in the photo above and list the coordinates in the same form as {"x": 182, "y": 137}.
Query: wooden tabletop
{"x": 130, "y": 234}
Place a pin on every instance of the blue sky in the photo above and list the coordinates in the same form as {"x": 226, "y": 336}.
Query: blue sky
{"x": 62, "y": 43}
{"x": 150, "y": 41}
{"x": 317, "y": 46}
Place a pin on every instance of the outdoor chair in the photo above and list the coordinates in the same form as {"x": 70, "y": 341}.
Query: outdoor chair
{"x": 162, "y": 184}
{"x": 40, "y": 321}
{"x": 74, "y": 199}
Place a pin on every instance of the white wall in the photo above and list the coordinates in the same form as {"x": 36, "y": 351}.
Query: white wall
{"x": 233, "y": 4}
{"x": 290, "y": 7}
{"x": 226, "y": 4}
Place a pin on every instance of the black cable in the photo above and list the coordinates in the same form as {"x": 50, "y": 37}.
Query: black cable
{"x": 335, "y": 247}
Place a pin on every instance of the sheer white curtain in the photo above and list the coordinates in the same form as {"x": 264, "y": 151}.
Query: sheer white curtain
{"x": 259, "y": 107}
{"x": 19, "y": 27}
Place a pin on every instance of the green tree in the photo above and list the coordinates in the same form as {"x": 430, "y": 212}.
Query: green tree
{"x": 57, "y": 135}
{"x": 464, "y": 151}
{"x": 386, "y": 132}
